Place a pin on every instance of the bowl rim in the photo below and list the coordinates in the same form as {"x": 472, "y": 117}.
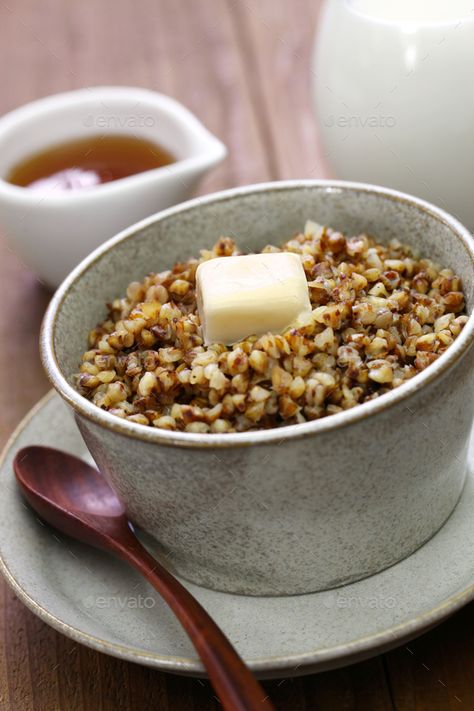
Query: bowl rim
{"x": 276, "y": 435}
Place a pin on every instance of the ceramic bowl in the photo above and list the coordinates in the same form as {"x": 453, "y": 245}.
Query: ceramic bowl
{"x": 293, "y": 509}
{"x": 52, "y": 232}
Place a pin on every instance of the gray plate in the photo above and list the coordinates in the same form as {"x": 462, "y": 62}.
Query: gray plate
{"x": 98, "y": 601}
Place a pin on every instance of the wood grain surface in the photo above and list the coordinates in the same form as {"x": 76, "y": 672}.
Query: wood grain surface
{"x": 243, "y": 67}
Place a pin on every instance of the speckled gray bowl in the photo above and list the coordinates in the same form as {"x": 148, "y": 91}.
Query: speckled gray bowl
{"x": 300, "y": 508}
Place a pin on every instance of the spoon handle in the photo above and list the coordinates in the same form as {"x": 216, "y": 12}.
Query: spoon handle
{"x": 234, "y": 683}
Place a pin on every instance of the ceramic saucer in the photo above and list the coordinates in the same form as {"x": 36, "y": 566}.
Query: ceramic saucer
{"x": 98, "y": 601}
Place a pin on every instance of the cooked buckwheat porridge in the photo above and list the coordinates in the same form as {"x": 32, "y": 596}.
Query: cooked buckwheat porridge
{"x": 381, "y": 314}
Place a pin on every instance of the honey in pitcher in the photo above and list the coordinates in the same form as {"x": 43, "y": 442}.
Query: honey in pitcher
{"x": 88, "y": 162}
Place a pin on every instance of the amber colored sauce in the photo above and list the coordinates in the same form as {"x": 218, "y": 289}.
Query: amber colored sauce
{"x": 88, "y": 162}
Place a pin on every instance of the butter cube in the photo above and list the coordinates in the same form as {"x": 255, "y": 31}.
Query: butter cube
{"x": 250, "y": 295}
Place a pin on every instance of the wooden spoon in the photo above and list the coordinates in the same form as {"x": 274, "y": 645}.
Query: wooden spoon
{"x": 76, "y": 499}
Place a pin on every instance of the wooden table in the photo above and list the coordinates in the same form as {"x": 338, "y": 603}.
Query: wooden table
{"x": 242, "y": 66}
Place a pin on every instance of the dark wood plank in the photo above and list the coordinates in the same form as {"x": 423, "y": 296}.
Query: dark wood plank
{"x": 436, "y": 671}
{"x": 359, "y": 687}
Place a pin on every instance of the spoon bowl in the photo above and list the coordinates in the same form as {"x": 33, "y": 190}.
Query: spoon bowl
{"x": 71, "y": 495}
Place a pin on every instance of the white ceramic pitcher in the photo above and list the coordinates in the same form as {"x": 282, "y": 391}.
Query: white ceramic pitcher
{"x": 394, "y": 96}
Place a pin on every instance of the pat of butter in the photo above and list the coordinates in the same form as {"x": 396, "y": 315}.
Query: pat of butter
{"x": 250, "y": 295}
